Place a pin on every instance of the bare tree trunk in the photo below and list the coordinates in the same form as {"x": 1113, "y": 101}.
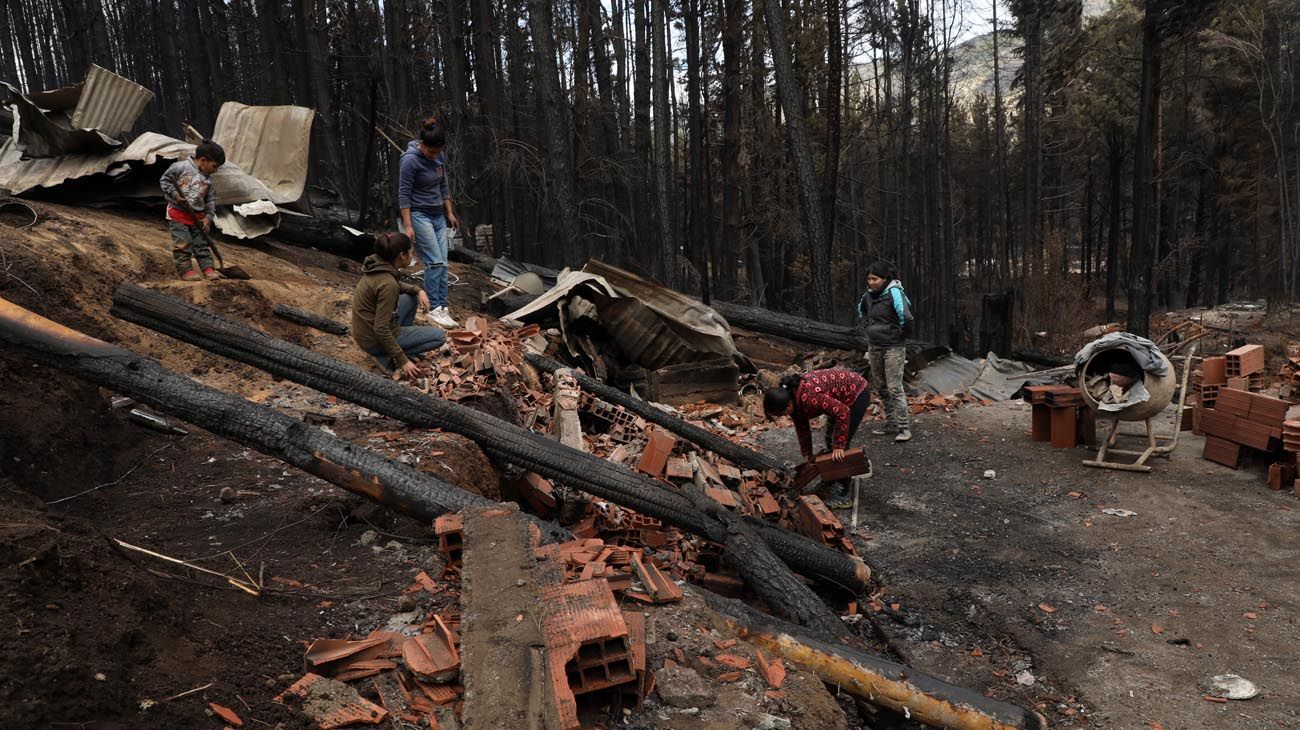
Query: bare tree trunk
{"x": 487, "y": 77}
{"x": 650, "y": 233}
{"x": 831, "y": 172}
{"x": 8, "y": 58}
{"x": 732, "y": 234}
{"x": 559, "y": 157}
{"x": 1003, "y": 193}
{"x": 1144, "y": 160}
{"x": 1116, "y": 164}
{"x": 197, "y": 63}
{"x": 668, "y": 247}
{"x": 801, "y": 151}
{"x": 1031, "y": 231}
{"x": 696, "y": 204}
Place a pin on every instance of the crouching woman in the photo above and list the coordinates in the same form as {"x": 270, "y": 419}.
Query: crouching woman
{"x": 383, "y": 310}
{"x": 841, "y": 395}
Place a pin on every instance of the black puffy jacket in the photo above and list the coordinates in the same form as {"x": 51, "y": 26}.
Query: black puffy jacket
{"x": 887, "y": 318}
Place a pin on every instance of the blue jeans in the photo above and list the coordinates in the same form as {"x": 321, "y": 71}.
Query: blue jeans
{"x": 412, "y": 340}
{"x": 431, "y": 247}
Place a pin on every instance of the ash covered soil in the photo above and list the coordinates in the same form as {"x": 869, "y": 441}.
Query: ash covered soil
{"x": 989, "y": 583}
{"x": 1119, "y": 620}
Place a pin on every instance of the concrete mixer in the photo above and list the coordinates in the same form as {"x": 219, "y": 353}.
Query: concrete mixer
{"x": 1148, "y": 393}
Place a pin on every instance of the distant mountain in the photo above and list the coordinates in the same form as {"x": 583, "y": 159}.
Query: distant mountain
{"x": 972, "y": 72}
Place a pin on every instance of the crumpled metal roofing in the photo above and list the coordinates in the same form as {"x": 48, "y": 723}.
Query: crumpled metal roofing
{"x": 104, "y": 101}
{"x": 18, "y": 175}
{"x": 60, "y": 136}
{"x": 270, "y": 143}
{"x": 694, "y": 322}
{"x": 991, "y": 378}
{"x": 38, "y": 135}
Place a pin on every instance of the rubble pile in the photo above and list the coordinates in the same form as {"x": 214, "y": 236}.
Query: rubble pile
{"x": 580, "y": 595}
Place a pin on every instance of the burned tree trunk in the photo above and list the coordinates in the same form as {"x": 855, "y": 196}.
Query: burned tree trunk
{"x": 871, "y": 678}
{"x": 356, "y": 469}
{"x": 322, "y": 234}
{"x": 790, "y": 327}
{"x": 765, "y": 574}
{"x": 499, "y": 439}
{"x": 736, "y": 453}
{"x": 309, "y": 319}
{"x": 791, "y": 97}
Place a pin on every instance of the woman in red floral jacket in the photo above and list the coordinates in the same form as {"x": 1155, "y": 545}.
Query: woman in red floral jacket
{"x": 841, "y": 395}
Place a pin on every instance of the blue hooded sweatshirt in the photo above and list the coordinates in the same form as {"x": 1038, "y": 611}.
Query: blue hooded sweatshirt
{"x": 421, "y": 182}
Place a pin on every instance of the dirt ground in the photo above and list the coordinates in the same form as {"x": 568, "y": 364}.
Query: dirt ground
{"x": 1113, "y": 621}
{"x": 1119, "y": 620}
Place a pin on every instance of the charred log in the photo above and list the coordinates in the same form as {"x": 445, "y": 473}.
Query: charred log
{"x": 480, "y": 261}
{"x": 499, "y": 439}
{"x": 308, "y": 319}
{"x": 733, "y": 452}
{"x": 356, "y": 469}
{"x": 323, "y": 234}
{"x": 767, "y": 322}
{"x": 873, "y": 679}
{"x": 765, "y": 574}
{"x": 503, "y": 305}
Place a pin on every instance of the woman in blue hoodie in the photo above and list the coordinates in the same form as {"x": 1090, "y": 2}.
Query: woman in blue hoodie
{"x": 425, "y": 200}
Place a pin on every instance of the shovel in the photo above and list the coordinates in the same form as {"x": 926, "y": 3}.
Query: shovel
{"x": 230, "y": 272}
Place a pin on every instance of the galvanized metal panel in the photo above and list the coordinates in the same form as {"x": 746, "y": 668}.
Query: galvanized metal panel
{"x": 109, "y": 103}
{"x": 271, "y": 143}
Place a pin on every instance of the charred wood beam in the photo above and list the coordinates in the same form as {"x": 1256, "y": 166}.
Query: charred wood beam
{"x": 767, "y": 322}
{"x": 499, "y": 439}
{"x": 325, "y": 235}
{"x": 503, "y": 305}
{"x": 354, "y": 468}
{"x": 764, "y": 573}
{"x": 309, "y": 319}
{"x": 729, "y": 450}
{"x": 871, "y": 678}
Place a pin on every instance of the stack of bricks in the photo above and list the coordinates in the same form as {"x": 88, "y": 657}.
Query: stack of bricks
{"x": 1060, "y": 416}
{"x": 1241, "y": 422}
{"x": 451, "y": 538}
{"x": 1244, "y": 368}
{"x": 623, "y": 425}
{"x": 591, "y": 644}
{"x": 1209, "y": 379}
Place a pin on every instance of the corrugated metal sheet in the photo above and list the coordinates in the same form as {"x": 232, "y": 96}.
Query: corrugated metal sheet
{"x": 271, "y": 143}
{"x": 109, "y": 103}
{"x": 696, "y": 323}
{"x": 82, "y": 118}
{"x": 18, "y": 175}
{"x": 643, "y": 336}
{"x": 132, "y": 172}
{"x": 39, "y": 135}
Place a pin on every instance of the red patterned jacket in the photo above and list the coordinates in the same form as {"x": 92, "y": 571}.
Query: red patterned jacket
{"x": 831, "y": 392}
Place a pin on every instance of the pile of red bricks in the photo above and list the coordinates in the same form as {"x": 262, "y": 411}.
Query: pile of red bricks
{"x": 591, "y": 644}
{"x": 413, "y": 673}
{"x": 1239, "y": 421}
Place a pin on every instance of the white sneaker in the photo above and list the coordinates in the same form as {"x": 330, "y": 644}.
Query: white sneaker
{"x": 441, "y": 316}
